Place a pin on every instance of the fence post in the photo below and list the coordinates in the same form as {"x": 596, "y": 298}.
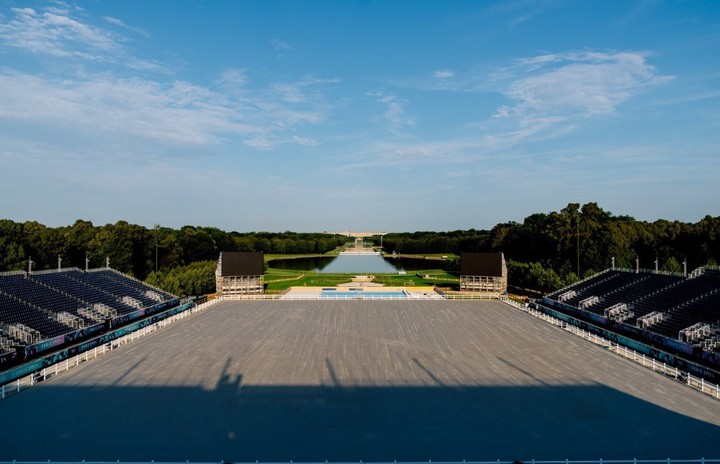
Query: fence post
{"x": 702, "y": 385}
{"x": 18, "y": 385}
{"x": 2, "y": 391}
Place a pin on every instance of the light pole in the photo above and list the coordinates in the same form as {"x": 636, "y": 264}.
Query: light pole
{"x": 157, "y": 227}
{"x": 577, "y": 243}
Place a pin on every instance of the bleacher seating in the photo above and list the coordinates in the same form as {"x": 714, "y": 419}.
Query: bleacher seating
{"x": 664, "y": 304}
{"x": 614, "y": 280}
{"x": 13, "y": 311}
{"x": 72, "y": 281}
{"x": 118, "y": 285}
{"x": 47, "y": 304}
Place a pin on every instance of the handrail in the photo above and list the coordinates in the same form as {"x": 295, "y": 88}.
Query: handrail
{"x": 532, "y": 461}
{"x": 640, "y": 358}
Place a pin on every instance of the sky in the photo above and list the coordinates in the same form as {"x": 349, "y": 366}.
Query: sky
{"x": 357, "y": 115}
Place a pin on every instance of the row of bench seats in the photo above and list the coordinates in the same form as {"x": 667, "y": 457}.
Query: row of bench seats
{"x": 13, "y": 311}
{"x": 36, "y": 300}
{"x": 684, "y": 301}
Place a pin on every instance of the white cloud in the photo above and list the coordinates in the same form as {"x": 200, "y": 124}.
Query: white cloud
{"x": 587, "y": 83}
{"x": 179, "y": 113}
{"x": 24, "y": 11}
{"x": 280, "y": 45}
{"x": 305, "y": 141}
{"x": 120, "y": 23}
{"x": 551, "y": 93}
{"x": 260, "y": 143}
{"x": 444, "y": 74}
{"x": 114, "y": 21}
{"x": 57, "y": 33}
{"x": 395, "y": 111}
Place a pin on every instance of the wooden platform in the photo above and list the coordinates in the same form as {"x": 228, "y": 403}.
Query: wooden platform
{"x": 359, "y": 380}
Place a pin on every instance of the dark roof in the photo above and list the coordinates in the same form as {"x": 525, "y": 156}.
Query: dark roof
{"x": 481, "y": 264}
{"x": 242, "y": 263}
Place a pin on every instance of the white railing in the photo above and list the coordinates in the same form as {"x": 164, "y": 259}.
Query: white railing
{"x": 640, "y": 358}
{"x": 318, "y": 297}
{"x": 28, "y": 381}
{"x": 410, "y": 296}
{"x": 530, "y": 461}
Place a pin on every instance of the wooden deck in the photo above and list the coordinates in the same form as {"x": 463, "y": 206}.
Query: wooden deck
{"x": 359, "y": 380}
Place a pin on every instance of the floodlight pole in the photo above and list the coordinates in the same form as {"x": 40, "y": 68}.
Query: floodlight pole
{"x": 87, "y": 263}
{"x": 157, "y": 227}
{"x": 685, "y": 267}
{"x": 30, "y": 263}
{"x": 577, "y": 244}
{"x": 59, "y": 263}
{"x": 656, "y": 264}
{"x": 612, "y": 261}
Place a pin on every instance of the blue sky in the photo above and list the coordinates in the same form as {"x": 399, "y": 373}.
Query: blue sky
{"x": 357, "y": 115}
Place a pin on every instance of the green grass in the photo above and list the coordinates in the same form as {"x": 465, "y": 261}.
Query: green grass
{"x": 313, "y": 280}
{"x": 278, "y": 280}
{"x": 271, "y": 256}
{"x": 435, "y": 277}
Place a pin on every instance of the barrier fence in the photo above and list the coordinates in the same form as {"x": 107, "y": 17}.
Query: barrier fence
{"x": 640, "y": 358}
{"x": 531, "y": 461}
{"x": 48, "y": 372}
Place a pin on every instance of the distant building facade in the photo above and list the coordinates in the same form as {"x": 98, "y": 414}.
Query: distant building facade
{"x": 483, "y": 272}
{"x": 240, "y": 273}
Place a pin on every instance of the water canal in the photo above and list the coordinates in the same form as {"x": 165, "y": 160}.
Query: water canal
{"x": 357, "y": 264}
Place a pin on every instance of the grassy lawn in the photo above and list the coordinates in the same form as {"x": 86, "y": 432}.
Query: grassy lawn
{"x": 278, "y": 280}
{"x": 311, "y": 280}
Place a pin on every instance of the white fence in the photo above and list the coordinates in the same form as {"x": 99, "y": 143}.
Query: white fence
{"x": 640, "y": 358}
{"x": 532, "y": 461}
{"x": 28, "y": 381}
{"x": 316, "y": 296}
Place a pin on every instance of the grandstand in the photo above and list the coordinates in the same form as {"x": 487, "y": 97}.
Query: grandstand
{"x": 67, "y": 305}
{"x": 680, "y": 313}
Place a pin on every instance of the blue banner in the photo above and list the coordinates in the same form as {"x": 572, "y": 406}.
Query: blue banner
{"x": 39, "y": 364}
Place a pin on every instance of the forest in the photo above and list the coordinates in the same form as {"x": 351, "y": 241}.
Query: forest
{"x": 545, "y": 251}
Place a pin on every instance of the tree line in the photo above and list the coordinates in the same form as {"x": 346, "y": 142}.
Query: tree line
{"x": 132, "y": 249}
{"x": 544, "y": 252}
